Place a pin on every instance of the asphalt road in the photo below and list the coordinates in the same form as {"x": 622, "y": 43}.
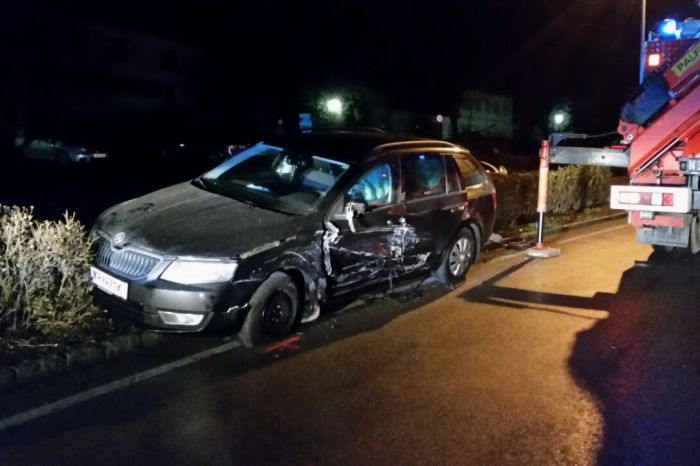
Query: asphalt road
{"x": 587, "y": 358}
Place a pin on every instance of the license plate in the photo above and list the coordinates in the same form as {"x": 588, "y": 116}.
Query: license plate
{"x": 99, "y": 155}
{"x": 109, "y": 284}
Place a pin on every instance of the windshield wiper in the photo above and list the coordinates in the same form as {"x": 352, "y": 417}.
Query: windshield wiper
{"x": 200, "y": 183}
{"x": 240, "y": 190}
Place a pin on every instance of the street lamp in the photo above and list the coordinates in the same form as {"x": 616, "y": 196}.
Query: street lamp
{"x": 334, "y": 106}
{"x": 560, "y": 119}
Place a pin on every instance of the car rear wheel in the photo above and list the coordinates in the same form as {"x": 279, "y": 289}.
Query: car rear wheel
{"x": 273, "y": 311}
{"x": 62, "y": 158}
{"x": 458, "y": 257}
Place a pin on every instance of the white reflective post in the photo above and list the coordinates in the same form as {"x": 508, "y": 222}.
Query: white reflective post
{"x": 540, "y": 250}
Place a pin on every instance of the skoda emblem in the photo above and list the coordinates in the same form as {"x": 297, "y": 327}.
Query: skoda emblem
{"x": 119, "y": 238}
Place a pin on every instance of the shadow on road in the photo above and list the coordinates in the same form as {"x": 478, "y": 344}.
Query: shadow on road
{"x": 491, "y": 293}
{"x": 642, "y": 363}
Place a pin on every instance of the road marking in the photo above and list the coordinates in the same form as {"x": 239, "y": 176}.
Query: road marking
{"x": 120, "y": 384}
{"x": 287, "y": 343}
{"x": 587, "y": 235}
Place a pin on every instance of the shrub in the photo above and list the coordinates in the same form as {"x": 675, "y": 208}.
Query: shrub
{"x": 44, "y": 285}
{"x": 571, "y": 189}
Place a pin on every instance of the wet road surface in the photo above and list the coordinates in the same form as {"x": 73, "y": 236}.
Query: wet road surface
{"x": 588, "y": 358}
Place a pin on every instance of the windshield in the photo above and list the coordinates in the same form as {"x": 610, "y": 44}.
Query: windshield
{"x": 275, "y": 178}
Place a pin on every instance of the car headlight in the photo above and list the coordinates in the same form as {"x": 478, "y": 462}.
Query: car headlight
{"x": 188, "y": 272}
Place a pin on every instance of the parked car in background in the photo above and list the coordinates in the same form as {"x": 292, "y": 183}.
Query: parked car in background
{"x": 269, "y": 235}
{"x": 57, "y": 151}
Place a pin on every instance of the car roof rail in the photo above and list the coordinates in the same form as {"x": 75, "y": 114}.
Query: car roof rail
{"x": 434, "y": 143}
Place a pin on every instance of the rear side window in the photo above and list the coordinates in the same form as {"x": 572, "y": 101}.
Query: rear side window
{"x": 469, "y": 171}
{"x": 453, "y": 184}
{"x": 424, "y": 175}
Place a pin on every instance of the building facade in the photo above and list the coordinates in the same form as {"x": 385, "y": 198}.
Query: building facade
{"x": 488, "y": 114}
{"x": 83, "y": 74}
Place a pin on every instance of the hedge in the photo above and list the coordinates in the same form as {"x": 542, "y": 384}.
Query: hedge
{"x": 44, "y": 287}
{"x": 571, "y": 189}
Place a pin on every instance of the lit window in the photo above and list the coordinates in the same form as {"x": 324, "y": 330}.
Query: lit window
{"x": 654, "y": 60}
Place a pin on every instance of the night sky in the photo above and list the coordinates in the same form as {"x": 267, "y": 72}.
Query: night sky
{"x": 419, "y": 54}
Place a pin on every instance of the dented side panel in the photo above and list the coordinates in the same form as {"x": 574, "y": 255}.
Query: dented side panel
{"x": 302, "y": 257}
{"x": 369, "y": 254}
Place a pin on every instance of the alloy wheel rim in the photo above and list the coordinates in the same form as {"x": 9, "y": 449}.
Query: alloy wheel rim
{"x": 460, "y": 254}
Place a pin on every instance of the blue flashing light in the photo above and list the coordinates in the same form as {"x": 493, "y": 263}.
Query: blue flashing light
{"x": 669, "y": 27}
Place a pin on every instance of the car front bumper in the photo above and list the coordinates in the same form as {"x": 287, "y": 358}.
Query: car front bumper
{"x": 166, "y": 306}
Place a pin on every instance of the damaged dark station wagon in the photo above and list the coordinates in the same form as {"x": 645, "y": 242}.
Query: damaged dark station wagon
{"x": 265, "y": 238}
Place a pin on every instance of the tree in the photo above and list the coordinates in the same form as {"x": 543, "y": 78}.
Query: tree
{"x": 343, "y": 105}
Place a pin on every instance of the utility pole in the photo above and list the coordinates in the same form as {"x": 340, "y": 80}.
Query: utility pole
{"x": 641, "y": 41}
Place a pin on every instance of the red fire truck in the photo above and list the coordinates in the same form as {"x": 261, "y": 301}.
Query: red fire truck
{"x": 660, "y": 147}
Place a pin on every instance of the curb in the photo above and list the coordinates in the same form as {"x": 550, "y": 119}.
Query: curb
{"x": 77, "y": 357}
{"x": 549, "y": 231}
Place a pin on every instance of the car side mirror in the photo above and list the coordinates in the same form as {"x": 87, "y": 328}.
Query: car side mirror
{"x": 502, "y": 170}
{"x": 356, "y": 208}
{"x": 353, "y": 210}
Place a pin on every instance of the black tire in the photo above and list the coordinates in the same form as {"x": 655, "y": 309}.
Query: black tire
{"x": 663, "y": 254}
{"x": 457, "y": 257}
{"x": 666, "y": 250}
{"x": 18, "y": 154}
{"x": 62, "y": 158}
{"x": 694, "y": 246}
{"x": 273, "y": 311}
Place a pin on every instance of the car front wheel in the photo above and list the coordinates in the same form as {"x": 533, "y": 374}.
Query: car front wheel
{"x": 458, "y": 257}
{"x": 273, "y": 311}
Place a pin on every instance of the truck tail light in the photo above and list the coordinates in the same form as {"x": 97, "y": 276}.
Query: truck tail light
{"x": 651, "y": 198}
{"x": 667, "y": 200}
{"x": 646, "y": 199}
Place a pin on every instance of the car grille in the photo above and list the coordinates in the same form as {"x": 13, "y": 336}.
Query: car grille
{"x": 128, "y": 263}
